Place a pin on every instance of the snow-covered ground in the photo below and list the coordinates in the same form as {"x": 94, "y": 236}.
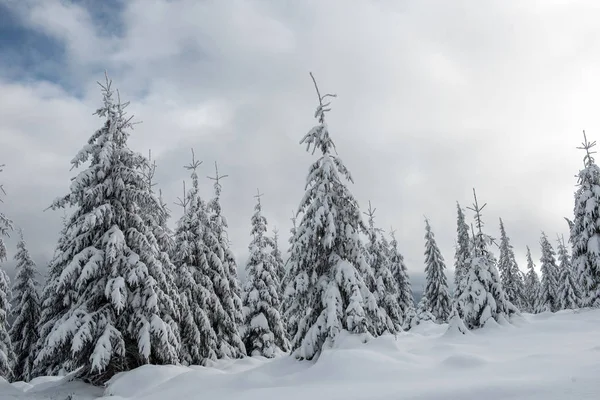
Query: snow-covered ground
{"x": 545, "y": 357}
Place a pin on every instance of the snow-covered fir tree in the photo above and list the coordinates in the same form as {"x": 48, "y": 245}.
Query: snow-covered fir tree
{"x": 6, "y": 351}
{"x": 567, "y": 294}
{"x": 483, "y": 297}
{"x": 510, "y": 275}
{"x": 549, "y": 286}
{"x": 327, "y": 264}
{"x": 585, "y": 230}
{"x": 232, "y": 297}
{"x": 279, "y": 263}
{"x": 406, "y": 300}
{"x": 23, "y": 332}
{"x": 288, "y": 302}
{"x": 264, "y": 332}
{"x": 385, "y": 286}
{"x": 54, "y": 304}
{"x": 422, "y": 312}
{"x": 462, "y": 252}
{"x": 208, "y": 325}
{"x": 169, "y": 303}
{"x": 532, "y": 286}
{"x": 108, "y": 268}
{"x": 436, "y": 283}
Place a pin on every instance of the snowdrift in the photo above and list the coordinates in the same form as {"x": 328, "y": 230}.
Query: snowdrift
{"x": 541, "y": 357}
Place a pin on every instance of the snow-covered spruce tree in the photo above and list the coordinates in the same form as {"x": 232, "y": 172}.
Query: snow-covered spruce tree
{"x": 422, "y": 313}
{"x": 7, "y": 356}
{"x": 166, "y": 276}
{"x": 264, "y": 333}
{"x": 483, "y": 297}
{"x": 406, "y": 300}
{"x": 23, "y": 332}
{"x": 549, "y": 287}
{"x": 510, "y": 275}
{"x": 568, "y": 292}
{"x": 290, "y": 316}
{"x": 109, "y": 263}
{"x": 208, "y": 323}
{"x": 232, "y": 297}
{"x": 385, "y": 286}
{"x": 463, "y": 251}
{"x": 533, "y": 287}
{"x": 436, "y": 284}
{"x": 54, "y": 305}
{"x": 279, "y": 264}
{"x": 327, "y": 264}
{"x": 585, "y": 231}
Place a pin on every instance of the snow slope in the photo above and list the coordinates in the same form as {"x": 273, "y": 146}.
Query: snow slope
{"x": 545, "y": 356}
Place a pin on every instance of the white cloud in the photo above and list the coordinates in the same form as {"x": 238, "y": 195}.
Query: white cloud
{"x": 435, "y": 98}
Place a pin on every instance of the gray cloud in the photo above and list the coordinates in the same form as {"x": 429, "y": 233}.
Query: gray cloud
{"x": 435, "y": 98}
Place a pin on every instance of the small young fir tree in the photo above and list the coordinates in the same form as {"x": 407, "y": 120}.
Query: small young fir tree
{"x": 264, "y": 332}
{"x": 462, "y": 252}
{"x": 511, "y": 278}
{"x": 532, "y": 286}
{"x": 23, "y": 332}
{"x": 436, "y": 283}
{"x": 568, "y": 292}
{"x": 399, "y": 271}
{"x": 483, "y": 298}
{"x": 385, "y": 286}
{"x": 549, "y": 285}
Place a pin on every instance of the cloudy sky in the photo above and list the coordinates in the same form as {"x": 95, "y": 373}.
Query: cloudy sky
{"x": 434, "y": 98}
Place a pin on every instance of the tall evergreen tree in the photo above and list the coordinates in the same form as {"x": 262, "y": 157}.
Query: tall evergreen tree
{"x": 279, "y": 264}
{"x": 512, "y": 280}
{"x": 327, "y": 264}
{"x": 23, "y": 332}
{"x": 108, "y": 268}
{"x": 483, "y": 297}
{"x": 406, "y": 300}
{"x": 208, "y": 325}
{"x": 6, "y": 350}
{"x": 533, "y": 289}
{"x": 288, "y": 301}
{"x": 231, "y": 297}
{"x": 385, "y": 287}
{"x": 549, "y": 287}
{"x": 463, "y": 251}
{"x": 436, "y": 288}
{"x": 264, "y": 333}
{"x": 567, "y": 293}
{"x": 170, "y": 304}
{"x": 585, "y": 229}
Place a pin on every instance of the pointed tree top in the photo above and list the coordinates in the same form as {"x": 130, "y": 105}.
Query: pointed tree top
{"x": 194, "y": 164}
{"x": 183, "y": 201}
{"x": 477, "y": 211}
{"x": 151, "y": 171}
{"x": 293, "y": 219}
{"x": 258, "y": 195}
{"x": 322, "y": 109}
{"x": 318, "y": 136}
{"x": 217, "y": 177}
{"x": 371, "y": 214}
{"x": 1, "y": 187}
{"x": 587, "y": 146}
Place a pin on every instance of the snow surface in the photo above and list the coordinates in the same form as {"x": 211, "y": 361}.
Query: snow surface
{"x": 544, "y": 356}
